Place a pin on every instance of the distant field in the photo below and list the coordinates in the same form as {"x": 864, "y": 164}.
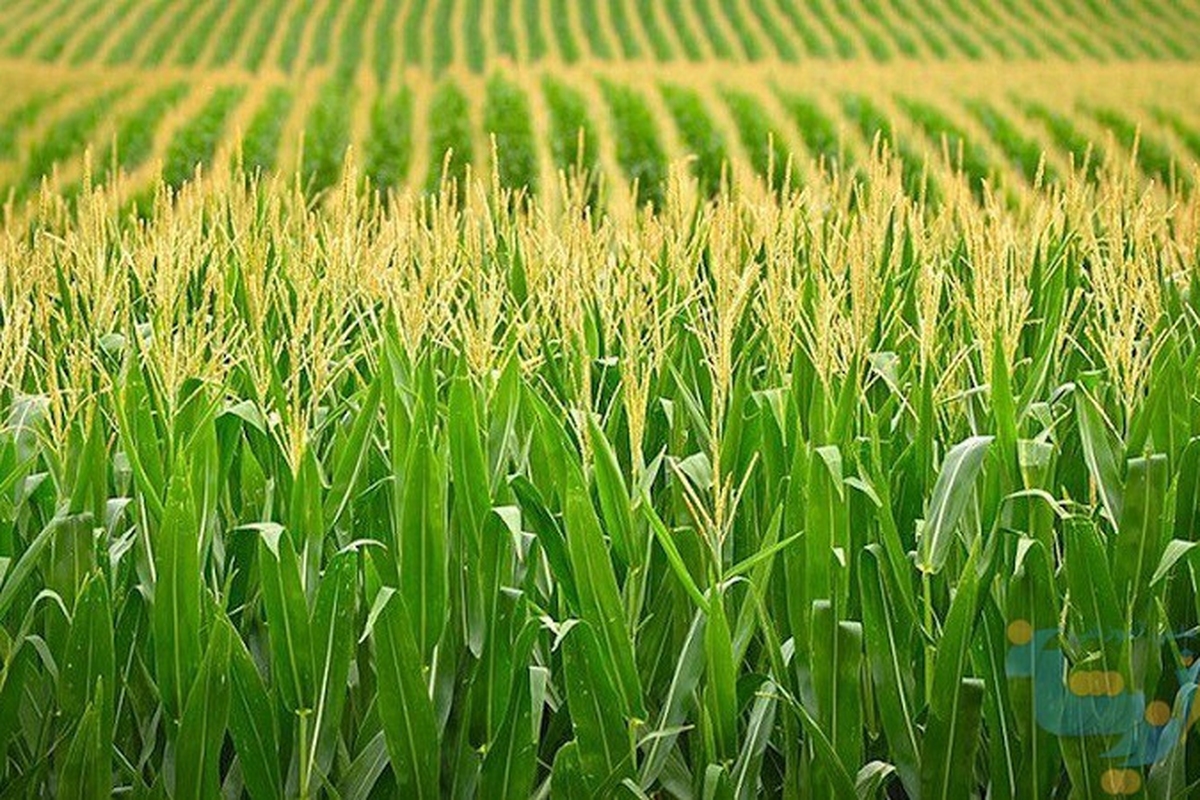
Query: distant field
{"x": 175, "y": 84}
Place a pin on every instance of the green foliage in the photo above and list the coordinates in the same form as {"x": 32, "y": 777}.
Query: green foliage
{"x": 1023, "y": 152}
{"x": 268, "y": 25}
{"x": 535, "y": 37}
{"x": 260, "y": 147}
{"x": 499, "y": 501}
{"x": 1186, "y": 133}
{"x": 475, "y": 47}
{"x": 630, "y": 48}
{"x": 683, "y": 31}
{"x": 905, "y": 44}
{"x": 197, "y": 36}
{"x": 876, "y": 45}
{"x": 196, "y": 142}
{"x": 712, "y": 29}
{"x": 573, "y": 138}
{"x": 384, "y": 54}
{"x": 169, "y": 37}
{"x": 654, "y": 32}
{"x": 504, "y": 37}
{"x": 233, "y": 30}
{"x": 326, "y": 137}
{"x": 444, "y": 44}
{"x": 122, "y": 51}
{"x": 560, "y": 21}
{"x": 874, "y": 126}
{"x": 639, "y": 150}
{"x": 506, "y": 116}
{"x": 779, "y": 39}
{"x": 349, "y": 52}
{"x": 451, "y": 146}
{"x": 1153, "y": 155}
{"x": 768, "y": 153}
{"x": 89, "y": 46}
{"x": 68, "y": 136}
{"x": 589, "y": 14}
{"x": 389, "y": 150}
{"x": 21, "y": 117}
{"x": 414, "y": 32}
{"x": 702, "y": 137}
{"x": 293, "y": 36}
{"x": 964, "y": 151}
{"x": 816, "y": 129}
{"x": 842, "y": 44}
{"x": 750, "y": 46}
{"x": 320, "y": 44}
{"x": 1079, "y": 148}
{"x": 135, "y": 135}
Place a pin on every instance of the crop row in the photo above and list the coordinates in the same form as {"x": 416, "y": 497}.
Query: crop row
{"x": 794, "y": 494}
{"x": 473, "y": 32}
{"x": 641, "y": 128}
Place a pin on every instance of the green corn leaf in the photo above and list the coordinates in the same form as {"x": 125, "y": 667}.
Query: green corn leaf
{"x": 952, "y": 733}
{"x": 826, "y": 522}
{"x": 253, "y": 725}
{"x": 305, "y": 520}
{"x": 288, "y": 623}
{"x": 89, "y": 667}
{"x": 1100, "y": 453}
{"x": 605, "y": 752}
{"x": 1140, "y": 541}
{"x": 550, "y": 535}
{"x": 139, "y": 435}
{"x": 176, "y": 617}
{"x": 946, "y": 771}
{"x": 951, "y": 493}
{"x": 1090, "y": 581}
{"x": 353, "y": 456}
{"x": 202, "y": 729}
{"x": 1187, "y": 494}
{"x": 1175, "y": 551}
{"x": 510, "y": 766}
{"x": 29, "y": 560}
{"x": 614, "y": 498}
{"x": 567, "y": 778}
{"x": 721, "y": 685}
{"x": 422, "y": 542}
{"x": 746, "y": 774}
{"x": 1004, "y": 405}
{"x": 333, "y": 649}
{"x": 85, "y": 773}
{"x": 600, "y": 599}
{"x": 676, "y": 703}
{"x": 674, "y": 558}
{"x": 360, "y": 779}
{"x": 839, "y": 781}
{"x": 888, "y": 633}
{"x": 472, "y": 505}
{"x": 872, "y": 778}
{"x": 836, "y": 662}
{"x": 989, "y": 657}
{"x": 405, "y": 707}
{"x": 1032, "y": 616}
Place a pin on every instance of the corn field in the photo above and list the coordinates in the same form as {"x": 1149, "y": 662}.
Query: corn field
{"x": 688, "y": 399}
{"x": 788, "y": 492}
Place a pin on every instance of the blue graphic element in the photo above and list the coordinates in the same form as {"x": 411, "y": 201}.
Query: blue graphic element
{"x": 1121, "y": 713}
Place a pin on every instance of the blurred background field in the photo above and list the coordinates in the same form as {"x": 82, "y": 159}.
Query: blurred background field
{"x": 150, "y": 85}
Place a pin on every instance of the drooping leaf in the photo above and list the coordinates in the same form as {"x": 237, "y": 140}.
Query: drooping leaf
{"x": 951, "y": 493}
